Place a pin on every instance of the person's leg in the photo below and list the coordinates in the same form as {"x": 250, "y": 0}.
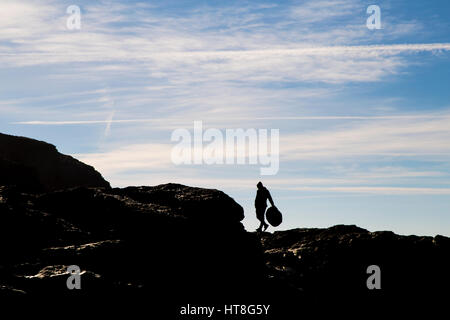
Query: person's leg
{"x": 259, "y": 229}
{"x": 260, "y": 216}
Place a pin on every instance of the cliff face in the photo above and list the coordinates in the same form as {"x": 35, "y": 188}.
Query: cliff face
{"x": 38, "y": 166}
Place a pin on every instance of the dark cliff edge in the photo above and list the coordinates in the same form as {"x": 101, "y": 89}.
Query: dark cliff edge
{"x": 38, "y": 166}
{"x": 174, "y": 244}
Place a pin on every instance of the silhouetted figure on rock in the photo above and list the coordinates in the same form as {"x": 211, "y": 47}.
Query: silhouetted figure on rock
{"x": 262, "y": 195}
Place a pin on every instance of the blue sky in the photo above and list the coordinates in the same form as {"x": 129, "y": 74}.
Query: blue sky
{"x": 363, "y": 114}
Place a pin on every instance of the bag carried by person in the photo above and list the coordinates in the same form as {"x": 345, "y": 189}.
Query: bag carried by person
{"x": 274, "y": 216}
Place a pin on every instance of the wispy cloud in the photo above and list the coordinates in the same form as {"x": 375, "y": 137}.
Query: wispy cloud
{"x": 211, "y": 48}
{"x": 145, "y": 156}
{"x": 379, "y": 190}
{"x": 401, "y": 137}
{"x": 179, "y": 121}
{"x": 323, "y": 10}
{"x": 215, "y": 64}
{"x": 380, "y": 139}
{"x": 108, "y": 124}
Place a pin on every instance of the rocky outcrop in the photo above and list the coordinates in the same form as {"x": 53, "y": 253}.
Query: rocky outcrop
{"x": 183, "y": 244}
{"x": 176, "y": 240}
{"x": 331, "y": 264}
{"x": 177, "y": 244}
{"x": 38, "y": 166}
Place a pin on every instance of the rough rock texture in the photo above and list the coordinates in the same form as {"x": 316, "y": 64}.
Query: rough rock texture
{"x": 178, "y": 244}
{"x": 170, "y": 239}
{"x": 38, "y": 166}
{"x": 173, "y": 244}
{"x": 331, "y": 264}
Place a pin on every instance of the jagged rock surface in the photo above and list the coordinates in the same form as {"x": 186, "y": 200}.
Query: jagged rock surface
{"x": 171, "y": 239}
{"x": 183, "y": 244}
{"x": 332, "y": 263}
{"x": 187, "y": 244}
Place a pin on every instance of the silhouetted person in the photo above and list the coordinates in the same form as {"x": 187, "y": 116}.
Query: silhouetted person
{"x": 262, "y": 195}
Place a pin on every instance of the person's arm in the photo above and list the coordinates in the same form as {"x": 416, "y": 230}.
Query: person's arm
{"x": 270, "y": 198}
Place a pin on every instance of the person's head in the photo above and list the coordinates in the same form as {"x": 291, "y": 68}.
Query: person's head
{"x": 259, "y": 185}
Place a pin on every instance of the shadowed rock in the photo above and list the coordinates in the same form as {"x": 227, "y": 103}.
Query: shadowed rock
{"x": 177, "y": 244}
{"x": 172, "y": 239}
{"x": 331, "y": 264}
{"x": 38, "y": 166}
